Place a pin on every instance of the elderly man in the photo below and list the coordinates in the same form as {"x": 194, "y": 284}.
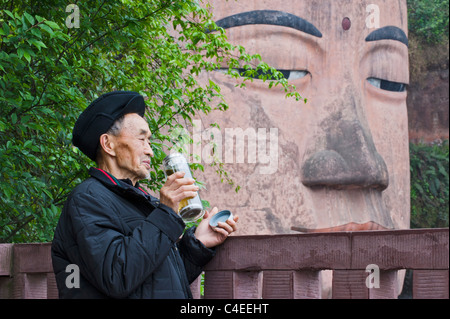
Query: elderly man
{"x": 125, "y": 242}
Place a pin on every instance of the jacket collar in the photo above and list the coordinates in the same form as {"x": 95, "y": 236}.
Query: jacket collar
{"x": 125, "y": 189}
{"x": 109, "y": 180}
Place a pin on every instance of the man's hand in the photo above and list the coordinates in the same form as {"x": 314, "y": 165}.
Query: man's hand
{"x": 212, "y": 237}
{"x": 176, "y": 189}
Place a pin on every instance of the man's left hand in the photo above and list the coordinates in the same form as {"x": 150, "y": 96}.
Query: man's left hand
{"x": 211, "y": 237}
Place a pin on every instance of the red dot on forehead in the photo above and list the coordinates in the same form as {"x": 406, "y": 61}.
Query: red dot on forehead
{"x": 346, "y": 23}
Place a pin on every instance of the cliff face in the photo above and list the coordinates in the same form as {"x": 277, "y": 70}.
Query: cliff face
{"x": 428, "y": 93}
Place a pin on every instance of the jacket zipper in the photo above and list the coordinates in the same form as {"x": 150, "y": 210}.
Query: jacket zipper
{"x": 180, "y": 274}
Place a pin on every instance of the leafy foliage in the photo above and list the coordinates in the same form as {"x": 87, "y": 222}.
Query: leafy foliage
{"x": 429, "y": 19}
{"x": 49, "y": 73}
{"x": 429, "y": 185}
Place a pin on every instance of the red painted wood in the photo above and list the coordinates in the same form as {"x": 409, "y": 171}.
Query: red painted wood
{"x": 430, "y": 284}
{"x": 279, "y": 266}
{"x": 349, "y": 284}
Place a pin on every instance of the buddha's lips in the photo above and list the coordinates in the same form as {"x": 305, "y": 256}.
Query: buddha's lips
{"x": 347, "y": 227}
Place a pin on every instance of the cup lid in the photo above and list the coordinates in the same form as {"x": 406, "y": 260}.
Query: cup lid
{"x": 221, "y": 216}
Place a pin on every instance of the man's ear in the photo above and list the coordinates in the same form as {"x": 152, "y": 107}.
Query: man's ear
{"x": 107, "y": 143}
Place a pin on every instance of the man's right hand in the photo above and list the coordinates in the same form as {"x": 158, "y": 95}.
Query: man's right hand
{"x": 176, "y": 189}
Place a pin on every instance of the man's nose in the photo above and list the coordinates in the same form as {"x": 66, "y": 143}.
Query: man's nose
{"x": 348, "y": 160}
{"x": 148, "y": 150}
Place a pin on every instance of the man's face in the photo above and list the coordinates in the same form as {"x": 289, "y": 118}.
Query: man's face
{"x": 343, "y": 157}
{"x": 132, "y": 148}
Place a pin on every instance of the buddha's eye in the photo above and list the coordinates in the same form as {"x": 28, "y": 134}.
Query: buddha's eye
{"x": 287, "y": 74}
{"x": 294, "y": 75}
{"x": 387, "y": 85}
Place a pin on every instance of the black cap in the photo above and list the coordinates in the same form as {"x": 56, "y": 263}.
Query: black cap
{"x": 100, "y": 115}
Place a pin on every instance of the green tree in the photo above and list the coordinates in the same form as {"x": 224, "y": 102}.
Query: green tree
{"x": 429, "y": 185}
{"x": 428, "y": 19}
{"x": 50, "y": 70}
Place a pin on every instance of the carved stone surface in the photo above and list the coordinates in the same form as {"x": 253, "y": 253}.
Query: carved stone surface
{"x": 338, "y": 162}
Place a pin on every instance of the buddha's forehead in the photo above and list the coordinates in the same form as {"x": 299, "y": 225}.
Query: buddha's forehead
{"x": 362, "y": 17}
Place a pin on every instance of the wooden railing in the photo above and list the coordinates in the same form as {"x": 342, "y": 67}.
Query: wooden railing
{"x": 26, "y": 272}
{"x": 280, "y": 266}
{"x": 289, "y": 266}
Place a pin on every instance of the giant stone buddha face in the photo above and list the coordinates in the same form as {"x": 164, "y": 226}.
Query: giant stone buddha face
{"x": 339, "y": 161}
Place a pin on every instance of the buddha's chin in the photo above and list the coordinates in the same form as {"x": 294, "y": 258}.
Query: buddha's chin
{"x": 346, "y": 227}
{"x": 345, "y": 210}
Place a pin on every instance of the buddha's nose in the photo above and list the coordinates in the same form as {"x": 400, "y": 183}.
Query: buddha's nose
{"x": 348, "y": 160}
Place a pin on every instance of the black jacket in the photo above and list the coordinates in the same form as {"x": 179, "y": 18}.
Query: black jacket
{"x": 125, "y": 243}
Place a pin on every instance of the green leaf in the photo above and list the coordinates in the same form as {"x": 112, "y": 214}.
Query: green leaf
{"x": 27, "y": 56}
{"x": 27, "y": 144}
{"x": 47, "y": 28}
{"x": 20, "y": 52}
{"x": 47, "y": 193}
{"x": 52, "y": 24}
{"x": 9, "y": 13}
{"x": 14, "y": 118}
{"x": 2, "y": 126}
{"x": 29, "y": 17}
{"x": 6, "y": 29}
{"x": 38, "y": 44}
{"x": 419, "y": 187}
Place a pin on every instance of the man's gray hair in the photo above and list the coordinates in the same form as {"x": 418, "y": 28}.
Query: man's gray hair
{"x": 113, "y": 130}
